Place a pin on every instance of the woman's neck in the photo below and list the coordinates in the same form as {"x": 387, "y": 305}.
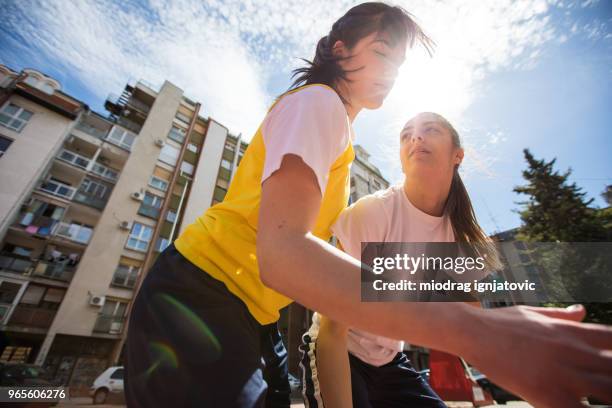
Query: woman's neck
{"x": 427, "y": 194}
{"x": 352, "y": 110}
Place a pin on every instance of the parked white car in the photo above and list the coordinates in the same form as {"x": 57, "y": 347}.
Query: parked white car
{"x": 107, "y": 383}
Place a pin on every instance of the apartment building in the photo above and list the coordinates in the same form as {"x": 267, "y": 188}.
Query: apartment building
{"x": 88, "y": 210}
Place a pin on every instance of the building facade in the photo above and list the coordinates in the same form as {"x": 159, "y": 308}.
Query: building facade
{"x": 89, "y": 203}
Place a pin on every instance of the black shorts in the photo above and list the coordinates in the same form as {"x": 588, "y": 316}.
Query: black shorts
{"x": 192, "y": 343}
{"x": 393, "y": 385}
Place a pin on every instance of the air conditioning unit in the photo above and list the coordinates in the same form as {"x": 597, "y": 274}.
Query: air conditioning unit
{"x": 97, "y": 300}
{"x": 160, "y": 142}
{"x": 115, "y": 328}
{"x": 138, "y": 195}
{"x": 126, "y": 225}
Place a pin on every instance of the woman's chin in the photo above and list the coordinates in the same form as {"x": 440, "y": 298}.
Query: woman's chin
{"x": 375, "y": 102}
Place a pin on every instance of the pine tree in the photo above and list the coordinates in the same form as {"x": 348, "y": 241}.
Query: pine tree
{"x": 558, "y": 211}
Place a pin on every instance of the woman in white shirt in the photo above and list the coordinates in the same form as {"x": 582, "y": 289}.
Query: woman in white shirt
{"x": 431, "y": 205}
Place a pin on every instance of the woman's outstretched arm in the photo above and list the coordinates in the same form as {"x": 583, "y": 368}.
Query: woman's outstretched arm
{"x": 566, "y": 360}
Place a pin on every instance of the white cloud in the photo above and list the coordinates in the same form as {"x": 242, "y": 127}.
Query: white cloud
{"x": 222, "y": 53}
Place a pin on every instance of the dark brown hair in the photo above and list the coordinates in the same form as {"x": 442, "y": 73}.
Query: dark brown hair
{"x": 359, "y": 22}
{"x": 459, "y": 209}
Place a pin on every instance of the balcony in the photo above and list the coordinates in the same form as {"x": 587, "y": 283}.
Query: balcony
{"x": 109, "y": 324}
{"x": 74, "y": 232}
{"x": 121, "y": 137}
{"x": 149, "y": 211}
{"x": 58, "y": 188}
{"x": 92, "y": 131}
{"x": 15, "y": 264}
{"x": 74, "y": 158}
{"x": 130, "y": 125}
{"x": 41, "y": 225}
{"x": 32, "y": 317}
{"x": 90, "y": 200}
{"x": 105, "y": 172}
{"x": 55, "y": 270}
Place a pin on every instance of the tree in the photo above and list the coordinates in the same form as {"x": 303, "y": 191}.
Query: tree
{"x": 558, "y": 211}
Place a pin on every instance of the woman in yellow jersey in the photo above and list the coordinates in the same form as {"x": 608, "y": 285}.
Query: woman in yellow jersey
{"x": 202, "y": 328}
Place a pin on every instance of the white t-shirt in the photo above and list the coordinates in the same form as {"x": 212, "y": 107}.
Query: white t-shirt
{"x": 311, "y": 123}
{"x": 385, "y": 216}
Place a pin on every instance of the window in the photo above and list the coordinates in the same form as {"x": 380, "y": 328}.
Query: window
{"x": 114, "y": 308}
{"x": 230, "y": 146}
{"x": 162, "y": 243}
{"x": 219, "y": 194}
{"x": 192, "y": 148}
{"x": 224, "y": 174}
{"x": 183, "y": 118}
{"x": 4, "y": 144}
{"x": 117, "y": 375}
{"x": 226, "y": 164}
{"x": 121, "y": 137}
{"x": 150, "y": 205}
{"x": 158, "y": 183}
{"x": 177, "y": 134}
{"x": 139, "y": 238}
{"x": 171, "y": 216}
{"x": 152, "y": 200}
{"x": 169, "y": 155}
{"x": 14, "y": 117}
{"x": 33, "y": 295}
{"x": 126, "y": 275}
{"x": 187, "y": 168}
{"x": 94, "y": 189}
{"x": 32, "y": 81}
{"x": 228, "y": 155}
{"x": 223, "y": 183}
{"x": 47, "y": 88}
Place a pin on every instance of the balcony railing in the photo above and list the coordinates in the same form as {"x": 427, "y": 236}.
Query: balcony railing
{"x": 141, "y": 106}
{"x": 32, "y": 317}
{"x": 109, "y": 324}
{"x": 55, "y": 270}
{"x": 92, "y": 131}
{"x": 15, "y": 263}
{"x": 58, "y": 188}
{"x": 106, "y": 172}
{"x": 74, "y": 232}
{"x": 128, "y": 124}
{"x": 74, "y": 158}
{"x": 90, "y": 200}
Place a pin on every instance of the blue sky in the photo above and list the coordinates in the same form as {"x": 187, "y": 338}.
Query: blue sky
{"x": 509, "y": 75}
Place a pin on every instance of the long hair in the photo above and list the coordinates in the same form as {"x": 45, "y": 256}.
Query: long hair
{"x": 459, "y": 209}
{"x": 359, "y": 22}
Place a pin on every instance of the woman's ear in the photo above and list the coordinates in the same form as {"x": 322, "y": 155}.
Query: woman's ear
{"x": 339, "y": 49}
{"x": 459, "y": 156}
